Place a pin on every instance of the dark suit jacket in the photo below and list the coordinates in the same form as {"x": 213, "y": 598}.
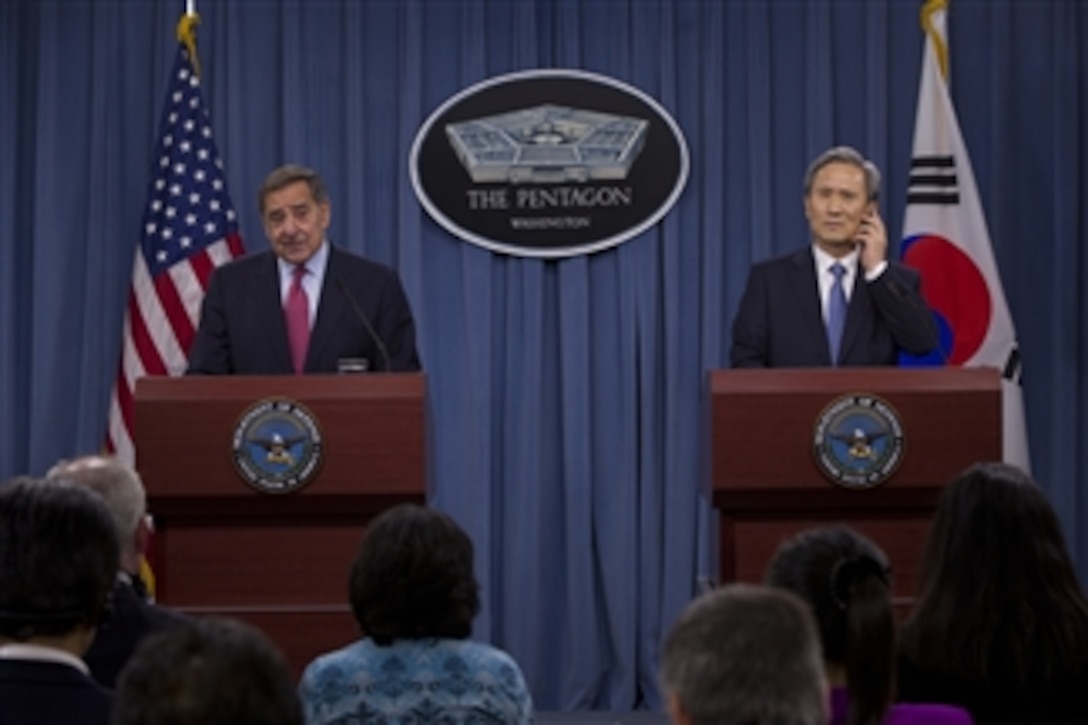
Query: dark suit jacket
{"x": 780, "y": 321}
{"x": 46, "y": 693}
{"x": 131, "y": 619}
{"x": 242, "y": 329}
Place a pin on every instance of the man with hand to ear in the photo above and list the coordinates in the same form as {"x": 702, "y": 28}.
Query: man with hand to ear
{"x": 838, "y": 302}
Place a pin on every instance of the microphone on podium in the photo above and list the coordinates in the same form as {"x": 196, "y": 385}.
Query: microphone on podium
{"x": 366, "y": 323}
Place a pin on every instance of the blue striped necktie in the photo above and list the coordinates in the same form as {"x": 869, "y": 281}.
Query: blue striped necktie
{"x": 836, "y": 312}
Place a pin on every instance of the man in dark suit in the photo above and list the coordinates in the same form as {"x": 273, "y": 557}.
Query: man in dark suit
{"x": 304, "y": 306}
{"x": 58, "y": 561}
{"x": 839, "y": 302}
{"x": 132, "y": 615}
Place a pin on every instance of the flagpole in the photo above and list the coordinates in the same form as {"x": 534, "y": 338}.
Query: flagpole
{"x": 928, "y": 10}
{"x": 187, "y": 35}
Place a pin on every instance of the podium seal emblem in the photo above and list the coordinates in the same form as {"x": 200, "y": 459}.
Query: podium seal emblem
{"x": 277, "y": 446}
{"x": 858, "y": 441}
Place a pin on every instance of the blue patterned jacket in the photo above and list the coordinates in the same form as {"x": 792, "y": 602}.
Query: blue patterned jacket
{"x": 448, "y": 681}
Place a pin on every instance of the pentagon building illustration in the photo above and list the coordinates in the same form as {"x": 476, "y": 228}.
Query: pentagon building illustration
{"x": 548, "y": 144}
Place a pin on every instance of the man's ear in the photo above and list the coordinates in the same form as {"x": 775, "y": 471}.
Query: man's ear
{"x": 143, "y": 534}
{"x": 677, "y": 714}
{"x": 325, "y": 209}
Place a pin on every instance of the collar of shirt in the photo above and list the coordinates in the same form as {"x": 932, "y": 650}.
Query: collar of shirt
{"x": 38, "y": 653}
{"x": 312, "y": 282}
{"x": 824, "y": 278}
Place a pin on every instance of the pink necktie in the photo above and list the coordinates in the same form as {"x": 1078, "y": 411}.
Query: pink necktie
{"x": 297, "y": 314}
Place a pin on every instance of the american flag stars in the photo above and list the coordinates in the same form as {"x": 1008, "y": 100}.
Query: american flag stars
{"x": 189, "y": 228}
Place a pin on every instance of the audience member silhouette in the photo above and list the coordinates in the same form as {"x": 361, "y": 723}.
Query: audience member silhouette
{"x": 207, "y": 671}
{"x": 132, "y": 615}
{"x": 744, "y": 654}
{"x": 846, "y": 581}
{"x": 414, "y": 595}
{"x": 58, "y": 562}
{"x": 1001, "y": 623}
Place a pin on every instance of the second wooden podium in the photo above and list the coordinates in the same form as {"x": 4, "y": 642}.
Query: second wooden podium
{"x": 767, "y": 478}
{"x": 278, "y": 561}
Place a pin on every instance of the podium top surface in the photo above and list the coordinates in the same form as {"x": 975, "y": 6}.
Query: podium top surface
{"x": 789, "y": 380}
{"x": 368, "y": 385}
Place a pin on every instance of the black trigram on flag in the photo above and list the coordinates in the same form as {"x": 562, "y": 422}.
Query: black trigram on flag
{"x": 933, "y": 180}
{"x": 1011, "y": 370}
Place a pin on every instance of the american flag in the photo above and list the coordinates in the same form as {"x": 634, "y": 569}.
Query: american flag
{"x": 189, "y": 228}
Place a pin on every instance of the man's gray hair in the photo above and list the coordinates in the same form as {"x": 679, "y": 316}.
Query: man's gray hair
{"x": 846, "y": 155}
{"x": 116, "y": 483}
{"x": 746, "y": 654}
{"x": 284, "y": 176}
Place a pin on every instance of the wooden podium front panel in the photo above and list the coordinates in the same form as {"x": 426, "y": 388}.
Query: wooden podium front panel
{"x": 232, "y": 563}
{"x": 751, "y": 544}
{"x": 279, "y": 562}
{"x": 372, "y": 434}
{"x": 288, "y": 577}
{"x": 767, "y": 484}
{"x": 764, "y": 420}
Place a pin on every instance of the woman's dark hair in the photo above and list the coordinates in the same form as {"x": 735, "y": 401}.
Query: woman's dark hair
{"x": 845, "y": 577}
{"x": 999, "y": 602}
{"x": 413, "y": 577}
{"x": 207, "y": 671}
{"x": 58, "y": 558}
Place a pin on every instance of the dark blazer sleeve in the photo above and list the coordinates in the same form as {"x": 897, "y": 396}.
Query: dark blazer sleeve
{"x": 242, "y": 331}
{"x": 396, "y": 326}
{"x": 778, "y": 323}
{"x": 130, "y": 620}
{"x": 897, "y": 296}
{"x": 210, "y": 353}
{"x": 750, "y": 326}
{"x": 364, "y": 312}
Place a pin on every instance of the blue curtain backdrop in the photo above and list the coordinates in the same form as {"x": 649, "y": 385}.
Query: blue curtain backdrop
{"x": 565, "y": 394}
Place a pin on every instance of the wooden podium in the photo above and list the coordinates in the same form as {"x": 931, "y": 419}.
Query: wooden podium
{"x": 767, "y": 484}
{"x": 278, "y": 561}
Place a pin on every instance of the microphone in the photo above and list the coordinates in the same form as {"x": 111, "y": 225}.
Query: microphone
{"x": 366, "y": 322}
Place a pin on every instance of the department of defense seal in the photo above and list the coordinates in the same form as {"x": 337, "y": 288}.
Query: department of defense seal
{"x": 858, "y": 441}
{"x": 277, "y": 446}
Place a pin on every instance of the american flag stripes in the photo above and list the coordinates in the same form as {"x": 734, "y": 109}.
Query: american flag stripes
{"x": 189, "y": 228}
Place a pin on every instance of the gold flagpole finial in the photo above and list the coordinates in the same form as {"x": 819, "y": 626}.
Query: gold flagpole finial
{"x": 187, "y": 35}
{"x": 931, "y": 7}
